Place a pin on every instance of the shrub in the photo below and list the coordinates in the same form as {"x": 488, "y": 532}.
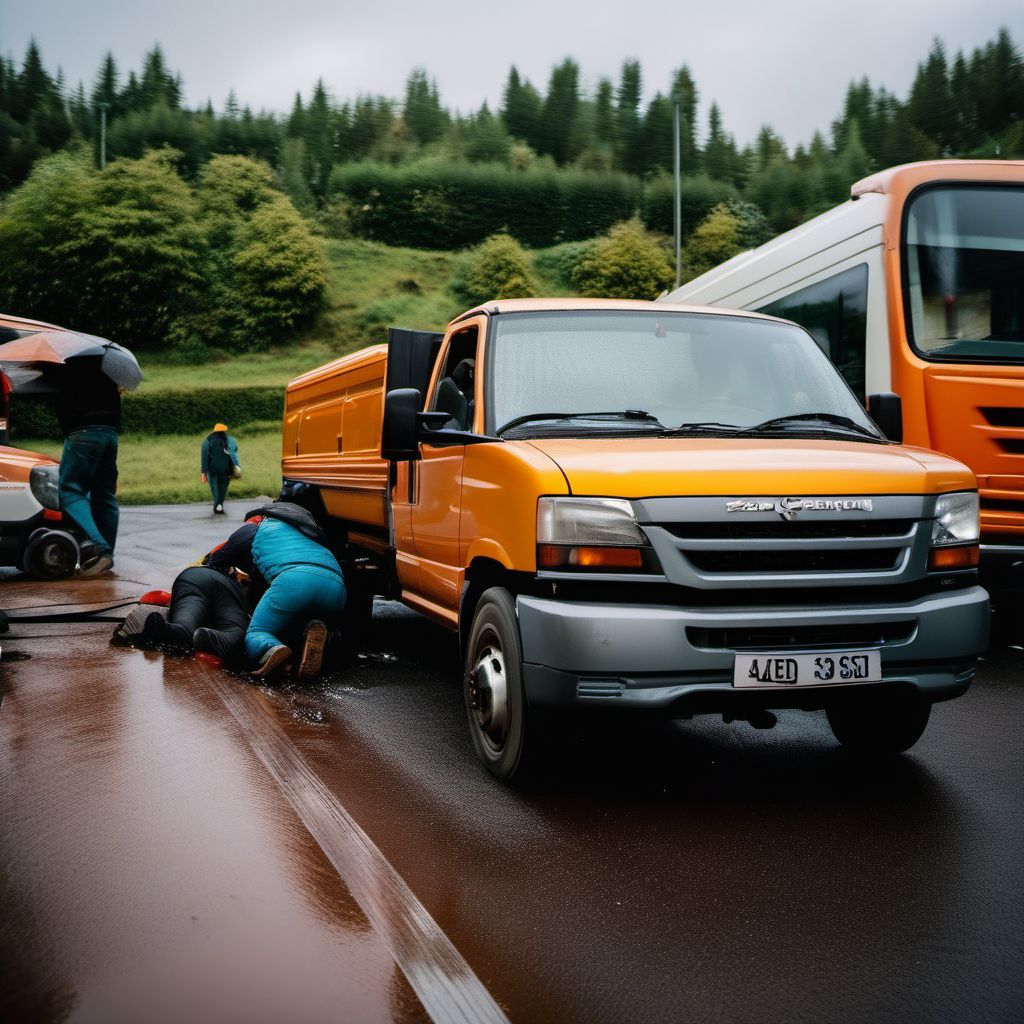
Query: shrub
{"x": 699, "y": 196}
{"x": 279, "y": 273}
{"x": 716, "y": 239}
{"x": 627, "y": 263}
{"x": 559, "y": 262}
{"x": 498, "y": 269}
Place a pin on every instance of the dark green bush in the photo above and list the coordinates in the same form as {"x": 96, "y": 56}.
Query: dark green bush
{"x": 699, "y": 195}
{"x": 163, "y": 412}
{"x": 450, "y": 206}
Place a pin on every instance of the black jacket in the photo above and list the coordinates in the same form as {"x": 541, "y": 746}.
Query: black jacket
{"x": 86, "y": 396}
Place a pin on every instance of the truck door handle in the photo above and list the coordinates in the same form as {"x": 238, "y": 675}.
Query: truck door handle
{"x": 339, "y": 443}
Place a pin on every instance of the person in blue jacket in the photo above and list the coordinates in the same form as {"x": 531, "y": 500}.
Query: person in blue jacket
{"x": 282, "y": 544}
{"x": 218, "y": 464}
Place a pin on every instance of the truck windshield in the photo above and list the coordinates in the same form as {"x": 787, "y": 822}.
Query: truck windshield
{"x": 688, "y": 371}
{"x": 963, "y": 260}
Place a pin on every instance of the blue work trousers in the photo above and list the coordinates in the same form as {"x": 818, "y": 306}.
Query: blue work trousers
{"x": 297, "y": 596}
{"x": 88, "y": 484}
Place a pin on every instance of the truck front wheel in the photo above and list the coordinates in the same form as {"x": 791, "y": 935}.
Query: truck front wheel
{"x": 883, "y": 724}
{"x": 499, "y": 719}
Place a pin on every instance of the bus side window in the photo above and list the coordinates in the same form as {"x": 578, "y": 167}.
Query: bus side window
{"x": 835, "y": 313}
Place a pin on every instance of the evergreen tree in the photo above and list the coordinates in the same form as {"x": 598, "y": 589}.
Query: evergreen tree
{"x": 604, "y": 114}
{"x": 656, "y": 142}
{"x": 684, "y": 90}
{"x": 105, "y": 87}
{"x": 560, "y": 112}
{"x": 720, "y": 158}
{"x": 424, "y": 117}
{"x": 158, "y": 85}
{"x": 521, "y": 109}
{"x": 485, "y": 137}
{"x": 627, "y": 117}
{"x": 33, "y": 87}
{"x": 320, "y": 140}
{"x": 931, "y": 103}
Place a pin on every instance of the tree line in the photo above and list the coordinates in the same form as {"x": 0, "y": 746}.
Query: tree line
{"x": 969, "y": 105}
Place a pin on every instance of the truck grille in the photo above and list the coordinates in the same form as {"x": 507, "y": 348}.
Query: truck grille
{"x": 791, "y": 531}
{"x": 794, "y": 560}
{"x": 801, "y": 638}
{"x": 704, "y": 543}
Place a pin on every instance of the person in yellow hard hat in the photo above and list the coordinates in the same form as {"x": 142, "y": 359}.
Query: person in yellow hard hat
{"x": 219, "y": 465}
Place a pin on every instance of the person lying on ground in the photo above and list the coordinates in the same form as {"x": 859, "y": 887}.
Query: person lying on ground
{"x": 208, "y": 612}
{"x": 282, "y": 544}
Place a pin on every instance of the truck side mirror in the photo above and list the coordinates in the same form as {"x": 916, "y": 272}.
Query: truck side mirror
{"x": 886, "y": 410}
{"x": 398, "y": 431}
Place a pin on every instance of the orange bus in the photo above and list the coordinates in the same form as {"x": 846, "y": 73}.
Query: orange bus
{"x": 915, "y": 290}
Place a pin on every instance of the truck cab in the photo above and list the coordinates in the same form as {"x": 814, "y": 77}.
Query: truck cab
{"x": 636, "y": 505}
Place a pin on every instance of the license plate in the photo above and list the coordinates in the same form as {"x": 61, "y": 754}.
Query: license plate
{"x": 826, "y": 669}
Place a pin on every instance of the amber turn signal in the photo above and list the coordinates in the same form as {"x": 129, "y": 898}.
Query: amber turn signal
{"x": 963, "y": 556}
{"x": 556, "y": 556}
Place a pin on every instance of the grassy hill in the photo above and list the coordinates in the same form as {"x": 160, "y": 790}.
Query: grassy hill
{"x": 371, "y": 287}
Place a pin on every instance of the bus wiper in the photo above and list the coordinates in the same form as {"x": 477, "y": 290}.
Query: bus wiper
{"x": 621, "y": 414}
{"x": 822, "y": 417}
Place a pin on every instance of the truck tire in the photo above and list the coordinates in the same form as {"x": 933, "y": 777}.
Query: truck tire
{"x": 888, "y": 724}
{"x": 499, "y": 719}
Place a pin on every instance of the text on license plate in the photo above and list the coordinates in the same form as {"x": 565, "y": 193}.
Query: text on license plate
{"x": 831, "y": 667}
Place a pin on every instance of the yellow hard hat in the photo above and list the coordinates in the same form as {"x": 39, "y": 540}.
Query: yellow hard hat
{"x": 220, "y": 426}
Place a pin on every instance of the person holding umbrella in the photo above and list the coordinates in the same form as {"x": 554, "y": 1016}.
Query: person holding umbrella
{"x": 87, "y": 375}
{"x": 218, "y": 464}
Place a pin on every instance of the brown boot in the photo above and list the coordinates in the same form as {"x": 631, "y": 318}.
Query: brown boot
{"x": 313, "y": 644}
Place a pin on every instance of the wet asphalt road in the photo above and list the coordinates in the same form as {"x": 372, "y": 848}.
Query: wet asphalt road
{"x": 178, "y": 845}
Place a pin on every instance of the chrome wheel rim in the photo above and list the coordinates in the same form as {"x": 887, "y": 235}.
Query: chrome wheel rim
{"x": 488, "y": 696}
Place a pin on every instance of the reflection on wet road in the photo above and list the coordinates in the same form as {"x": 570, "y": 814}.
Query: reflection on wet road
{"x": 156, "y": 865}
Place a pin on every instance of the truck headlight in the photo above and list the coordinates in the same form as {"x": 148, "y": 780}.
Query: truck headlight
{"x": 595, "y": 534}
{"x": 955, "y": 531}
{"x": 44, "y": 482}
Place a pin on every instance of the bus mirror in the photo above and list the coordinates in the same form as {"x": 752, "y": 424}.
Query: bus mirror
{"x": 398, "y": 430}
{"x": 887, "y": 411}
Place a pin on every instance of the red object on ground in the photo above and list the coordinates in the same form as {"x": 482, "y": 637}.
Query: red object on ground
{"x": 160, "y": 597}
{"x": 208, "y": 659}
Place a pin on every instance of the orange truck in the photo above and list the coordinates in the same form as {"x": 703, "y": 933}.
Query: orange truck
{"x": 643, "y": 505}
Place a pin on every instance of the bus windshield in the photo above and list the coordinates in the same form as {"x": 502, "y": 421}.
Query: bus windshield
{"x": 642, "y": 372}
{"x": 963, "y": 260}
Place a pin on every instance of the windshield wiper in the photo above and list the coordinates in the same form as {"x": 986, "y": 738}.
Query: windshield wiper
{"x": 703, "y": 428}
{"x": 797, "y": 419}
{"x": 620, "y": 414}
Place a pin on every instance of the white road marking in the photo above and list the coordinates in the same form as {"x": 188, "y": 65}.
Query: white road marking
{"x": 436, "y": 971}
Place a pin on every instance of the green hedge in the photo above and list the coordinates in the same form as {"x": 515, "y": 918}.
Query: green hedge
{"x": 449, "y": 206}
{"x": 699, "y": 195}
{"x": 163, "y": 412}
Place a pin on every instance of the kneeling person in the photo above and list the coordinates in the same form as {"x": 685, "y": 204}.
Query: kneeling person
{"x": 306, "y": 588}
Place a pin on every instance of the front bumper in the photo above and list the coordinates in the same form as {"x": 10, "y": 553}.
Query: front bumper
{"x": 14, "y": 536}
{"x": 642, "y": 656}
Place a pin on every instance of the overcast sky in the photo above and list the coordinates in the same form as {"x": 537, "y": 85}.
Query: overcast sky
{"x": 782, "y": 62}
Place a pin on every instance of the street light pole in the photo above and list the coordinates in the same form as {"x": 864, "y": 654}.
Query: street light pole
{"x": 103, "y": 104}
{"x": 677, "y": 197}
